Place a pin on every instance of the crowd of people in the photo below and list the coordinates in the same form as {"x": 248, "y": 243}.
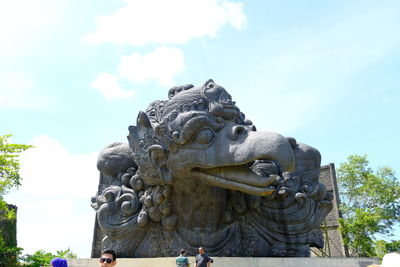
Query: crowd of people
{"x": 202, "y": 259}
{"x": 109, "y": 259}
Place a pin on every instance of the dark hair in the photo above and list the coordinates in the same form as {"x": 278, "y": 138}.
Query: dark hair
{"x": 110, "y": 251}
{"x": 183, "y": 251}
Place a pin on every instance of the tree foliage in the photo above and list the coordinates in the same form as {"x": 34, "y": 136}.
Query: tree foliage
{"x": 370, "y": 205}
{"x": 9, "y": 172}
{"x": 9, "y": 164}
{"x": 382, "y": 247}
{"x": 43, "y": 258}
{"x": 9, "y": 254}
{"x": 9, "y": 178}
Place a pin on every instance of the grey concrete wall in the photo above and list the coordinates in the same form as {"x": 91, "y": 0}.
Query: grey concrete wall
{"x": 334, "y": 246}
{"x": 235, "y": 262}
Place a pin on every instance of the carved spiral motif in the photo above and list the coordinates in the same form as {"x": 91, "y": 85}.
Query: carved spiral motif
{"x": 154, "y": 202}
{"x": 134, "y": 205}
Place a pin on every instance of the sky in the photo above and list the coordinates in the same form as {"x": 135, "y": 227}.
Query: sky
{"x": 74, "y": 75}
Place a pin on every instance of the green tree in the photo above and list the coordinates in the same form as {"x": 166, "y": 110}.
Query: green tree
{"x": 382, "y": 247}
{"x": 9, "y": 178}
{"x": 43, "y": 258}
{"x": 9, "y": 167}
{"x": 370, "y": 205}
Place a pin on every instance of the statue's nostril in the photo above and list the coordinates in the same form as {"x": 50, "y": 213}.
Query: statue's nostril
{"x": 237, "y": 131}
{"x": 240, "y": 131}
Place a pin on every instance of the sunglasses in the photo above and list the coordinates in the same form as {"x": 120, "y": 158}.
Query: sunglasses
{"x": 106, "y": 260}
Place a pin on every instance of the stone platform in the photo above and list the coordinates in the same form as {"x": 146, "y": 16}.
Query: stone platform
{"x": 235, "y": 262}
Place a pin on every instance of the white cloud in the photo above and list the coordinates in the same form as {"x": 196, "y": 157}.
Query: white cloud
{"x": 49, "y": 169}
{"x": 166, "y": 22}
{"x": 25, "y": 25}
{"x": 161, "y": 64}
{"x": 26, "y": 28}
{"x": 107, "y": 84}
{"x": 54, "y": 224}
{"x": 17, "y": 90}
{"x": 141, "y": 23}
{"x": 53, "y": 202}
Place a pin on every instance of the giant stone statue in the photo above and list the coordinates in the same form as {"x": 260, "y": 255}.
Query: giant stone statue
{"x": 197, "y": 173}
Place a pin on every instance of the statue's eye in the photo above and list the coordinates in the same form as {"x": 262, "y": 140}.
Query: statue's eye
{"x": 152, "y": 112}
{"x": 186, "y": 108}
{"x": 201, "y": 106}
{"x": 204, "y": 136}
{"x": 210, "y": 85}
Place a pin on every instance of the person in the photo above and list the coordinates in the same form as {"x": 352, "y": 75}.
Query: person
{"x": 108, "y": 258}
{"x": 391, "y": 259}
{"x": 202, "y": 259}
{"x": 182, "y": 260}
{"x": 59, "y": 262}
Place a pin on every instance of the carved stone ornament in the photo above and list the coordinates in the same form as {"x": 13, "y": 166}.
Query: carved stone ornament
{"x": 197, "y": 173}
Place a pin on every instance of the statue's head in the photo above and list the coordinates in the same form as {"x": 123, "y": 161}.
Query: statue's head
{"x": 199, "y": 133}
{"x": 262, "y": 183}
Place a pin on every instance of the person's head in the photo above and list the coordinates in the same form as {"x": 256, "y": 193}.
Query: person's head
{"x": 183, "y": 251}
{"x": 390, "y": 259}
{"x": 58, "y": 262}
{"x": 108, "y": 258}
{"x": 201, "y": 250}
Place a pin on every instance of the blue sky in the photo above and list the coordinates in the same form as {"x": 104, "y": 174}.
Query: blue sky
{"x": 74, "y": 74}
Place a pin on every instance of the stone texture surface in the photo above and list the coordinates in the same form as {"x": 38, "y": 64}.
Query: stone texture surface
{"x": 328, "y": 177}
{"x": 334, "y": 246}
{"x": 197, "y": 173}
{"x": 236, "y": 262}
